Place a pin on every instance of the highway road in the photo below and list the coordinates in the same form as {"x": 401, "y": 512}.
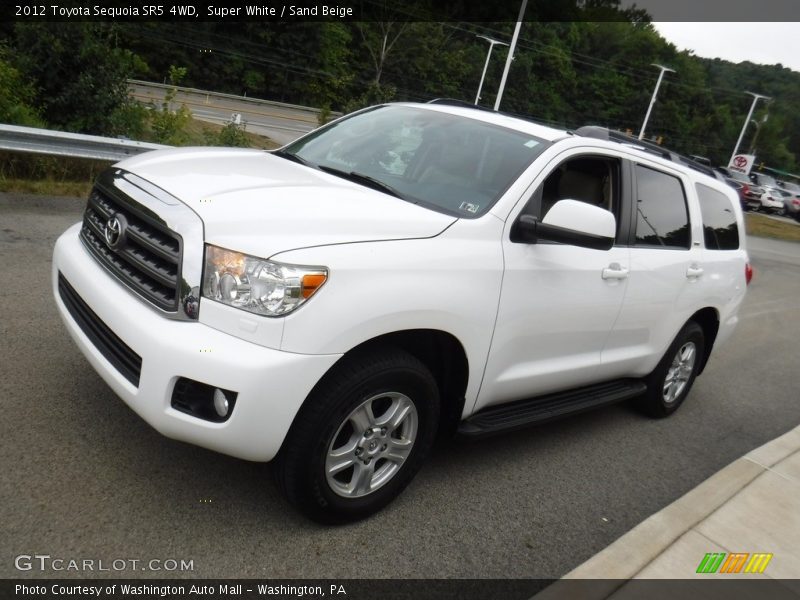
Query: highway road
{"x": 84, "y": 477}
{"x": 282, "y": 123}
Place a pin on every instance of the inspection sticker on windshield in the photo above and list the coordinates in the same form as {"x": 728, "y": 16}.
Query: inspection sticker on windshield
{"x": 531, "y": 144}
{"x": 469, "y": 207}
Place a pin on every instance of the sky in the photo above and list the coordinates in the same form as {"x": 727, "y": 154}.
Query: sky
{"x": 761, "y": 43}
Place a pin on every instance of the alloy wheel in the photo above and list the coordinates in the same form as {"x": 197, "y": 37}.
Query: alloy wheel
{"x": 680, "y": 371}
{"x": 371, "y": 444}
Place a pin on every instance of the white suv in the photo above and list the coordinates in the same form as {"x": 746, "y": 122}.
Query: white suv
{"x": 403, "y": 270}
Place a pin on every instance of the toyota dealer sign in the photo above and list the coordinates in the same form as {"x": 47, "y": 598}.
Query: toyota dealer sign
{"x": 742, "y": 163}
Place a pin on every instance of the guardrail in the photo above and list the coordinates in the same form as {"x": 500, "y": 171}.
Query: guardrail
{"x": 62, "y": 143}
{"x": 254, "y": 101}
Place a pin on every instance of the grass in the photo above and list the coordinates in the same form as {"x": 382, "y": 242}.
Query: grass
{"x": 56, "y": 176}
{"x": 46, "y": 187}
{"x": 763, "y": 226}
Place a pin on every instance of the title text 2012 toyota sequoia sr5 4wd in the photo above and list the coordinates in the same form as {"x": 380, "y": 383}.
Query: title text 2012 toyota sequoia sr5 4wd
{"x": 402, "y": 270}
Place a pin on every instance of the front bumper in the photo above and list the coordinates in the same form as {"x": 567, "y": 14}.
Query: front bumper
{"x": 271, "y": 384}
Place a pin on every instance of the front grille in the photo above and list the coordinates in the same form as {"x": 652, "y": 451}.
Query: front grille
{"x": 125, "y": 360}
{"x": 148, "y": 256}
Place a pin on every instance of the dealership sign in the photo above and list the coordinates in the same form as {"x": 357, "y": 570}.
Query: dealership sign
{"x": 742, "y": 163}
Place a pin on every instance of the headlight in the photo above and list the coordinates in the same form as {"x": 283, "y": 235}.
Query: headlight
{"x": 256, "y": 285}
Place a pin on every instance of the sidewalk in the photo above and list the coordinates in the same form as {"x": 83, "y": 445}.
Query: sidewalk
{"x": 750, "y": 506}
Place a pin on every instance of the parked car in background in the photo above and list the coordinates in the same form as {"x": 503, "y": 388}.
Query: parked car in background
{"x": 790, "y": 187}
{"x": 739, "y": 187}
{"x": 792, "y": 201}
{"x": 765, "y": 181}
{"x": 749, "y": 193}
{"x": 792, "y": 206}
{"x": 772, "y": 201}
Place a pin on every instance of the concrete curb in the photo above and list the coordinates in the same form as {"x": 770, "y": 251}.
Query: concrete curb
{"x": 631, "y": 553}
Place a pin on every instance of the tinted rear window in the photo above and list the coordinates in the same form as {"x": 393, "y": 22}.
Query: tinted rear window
{"x": 720, "y": 230}
{"x": 662, "y": 220}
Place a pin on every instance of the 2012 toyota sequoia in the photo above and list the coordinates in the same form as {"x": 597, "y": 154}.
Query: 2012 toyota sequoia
{"x": 409, "y": 268}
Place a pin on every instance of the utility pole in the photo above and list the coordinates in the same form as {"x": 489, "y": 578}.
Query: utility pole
{"x": 653, "y": 99}
{"x": 492, "y": 44}
{"x": 510, "y": 56}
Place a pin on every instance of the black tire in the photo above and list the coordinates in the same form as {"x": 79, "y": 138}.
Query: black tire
{"x": 390, "y": 375}
{"x": 655, "y": 401}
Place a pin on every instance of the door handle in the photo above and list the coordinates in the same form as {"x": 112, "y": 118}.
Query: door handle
{"x": 694, "y": 271}
{"x": 615, "y": 271}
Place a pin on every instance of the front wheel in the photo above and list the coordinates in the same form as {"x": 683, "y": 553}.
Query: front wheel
{"x": 361, "y": 436}
{"x": 670, "y": 382}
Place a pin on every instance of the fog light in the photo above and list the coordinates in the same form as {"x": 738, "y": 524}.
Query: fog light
{"x": 220, "y": 402}
{"x": 203, "y": 401}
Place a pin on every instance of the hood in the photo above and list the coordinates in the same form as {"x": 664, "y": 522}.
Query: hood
{"x": 254, "y": 202}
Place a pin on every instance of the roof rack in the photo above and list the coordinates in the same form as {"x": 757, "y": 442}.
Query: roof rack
{"x": 603, "y": 133}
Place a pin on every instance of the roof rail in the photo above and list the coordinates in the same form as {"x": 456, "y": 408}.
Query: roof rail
{"x": 603, "y": 133}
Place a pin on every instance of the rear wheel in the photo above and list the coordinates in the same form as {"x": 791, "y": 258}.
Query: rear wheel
{"x": 361, "y": 436}
{"x": 670, "y": 382}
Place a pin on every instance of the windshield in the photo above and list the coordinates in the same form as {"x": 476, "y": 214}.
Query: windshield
{"x": 453, "y": 164}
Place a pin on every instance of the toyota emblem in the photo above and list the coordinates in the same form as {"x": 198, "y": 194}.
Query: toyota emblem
{"x": 114, "y": 230}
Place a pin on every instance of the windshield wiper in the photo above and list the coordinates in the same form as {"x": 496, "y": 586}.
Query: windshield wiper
{"x": 366, "y": 180}
{"x": 293, "y": 157}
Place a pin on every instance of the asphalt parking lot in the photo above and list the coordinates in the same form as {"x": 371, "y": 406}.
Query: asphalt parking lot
{"x": 83, "y": 477}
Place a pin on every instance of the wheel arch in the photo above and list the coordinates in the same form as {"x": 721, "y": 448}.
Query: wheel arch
{"x": 446, "y": 358}
{"x": 708, "y": 319}
{"x": 441, "y": 352}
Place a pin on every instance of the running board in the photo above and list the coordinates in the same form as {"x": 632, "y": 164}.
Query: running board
{"x": 514, "y": 415}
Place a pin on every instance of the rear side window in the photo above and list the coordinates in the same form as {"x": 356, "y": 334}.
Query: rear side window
{"x": 720, "y": 230}
{"x": 662, "y": 219}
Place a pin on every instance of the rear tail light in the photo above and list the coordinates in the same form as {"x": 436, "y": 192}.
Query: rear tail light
{"x": 796, "y": 202}
{"x": 748, "y": 273}
{"x": 745, "y": 188}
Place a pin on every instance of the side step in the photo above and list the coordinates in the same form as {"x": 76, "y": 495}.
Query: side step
{"x": 514, "y": 415}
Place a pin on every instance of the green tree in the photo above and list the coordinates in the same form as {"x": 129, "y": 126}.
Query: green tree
{"x": 328, "y": 86}
{"x": 17, "y": 97}
{"x": 169, "y": 123}
{"x": 78, "y": 71}
{"x": 231, "y": 135}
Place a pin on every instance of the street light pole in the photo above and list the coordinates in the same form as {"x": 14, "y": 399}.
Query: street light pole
{"x": 653, "y": 99}
{"x": 492, "y": 44}
{"x": 510, "y": 56}
{"x": 756, "y": 98}
{"x": 758, "y": 125}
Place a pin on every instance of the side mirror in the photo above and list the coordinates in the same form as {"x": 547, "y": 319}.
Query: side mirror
{"x": 569, "y": 222}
